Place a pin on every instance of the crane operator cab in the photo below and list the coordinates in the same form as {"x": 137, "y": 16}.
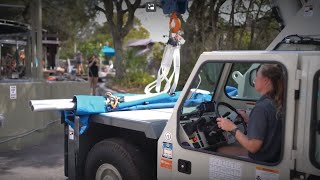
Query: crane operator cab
{"x": 241, "y": 111}
{"x": 199, "y": 118}
{"x": 220, "y": 90}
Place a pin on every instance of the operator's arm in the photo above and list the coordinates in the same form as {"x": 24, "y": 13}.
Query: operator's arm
{"x": 257, "y": 129}
{"x": 252, "y": 145}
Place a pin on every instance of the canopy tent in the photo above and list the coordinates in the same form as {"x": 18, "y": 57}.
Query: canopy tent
{"x": 108, "y": 51}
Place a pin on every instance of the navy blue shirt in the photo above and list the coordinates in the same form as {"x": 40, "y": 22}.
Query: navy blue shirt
{"x": 264, "y": 125}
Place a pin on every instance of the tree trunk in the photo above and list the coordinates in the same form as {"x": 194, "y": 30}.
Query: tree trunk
{"x": 253, "y": 26}
{"x": 215, "y": 21}
{"x": 231, "y": 33}
{"x": 118, "y": 27}
{"x": 118, "y": 64}
{"x": 245, "y": 24}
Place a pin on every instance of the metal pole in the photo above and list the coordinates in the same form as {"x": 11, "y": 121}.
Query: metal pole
{"x": 28, "y": 53}
{"x": 45, "y": 58}
{"x": 33, "y": 40}
{"x": 39, "y": 38}
{"x": 76, "y": 144}
{"x": 0, "y": 62}
{"x": 17, "y": 52}
{"x": 57, "y": 56}
{"x": 52, "y": 105}
{"x": 66, "y": 150}
{"x": 75, "y": 47}
{"x": 100, "y": 58}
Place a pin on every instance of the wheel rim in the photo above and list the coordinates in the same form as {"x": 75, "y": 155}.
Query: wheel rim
{"x": 108, "y": 172}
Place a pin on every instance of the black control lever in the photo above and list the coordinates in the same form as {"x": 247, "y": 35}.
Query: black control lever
{"x": 191, "y": 127}
{"x": 214, "y": 126}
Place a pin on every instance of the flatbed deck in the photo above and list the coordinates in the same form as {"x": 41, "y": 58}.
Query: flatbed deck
{"x": 151, "y": 122}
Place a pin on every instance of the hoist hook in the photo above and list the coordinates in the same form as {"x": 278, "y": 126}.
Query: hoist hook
{"x": 177, "y": 23}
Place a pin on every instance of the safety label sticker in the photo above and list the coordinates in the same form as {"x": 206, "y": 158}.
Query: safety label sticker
{"x": 268, "y": 174}
{"x": 166, "y": 163}
{"x": 71, "y": 133}
{"x": 167, "y": 150}
{"x": 13, "y": 92}
{"x": 168, "y": 136}
{"x": 223, "y": 169}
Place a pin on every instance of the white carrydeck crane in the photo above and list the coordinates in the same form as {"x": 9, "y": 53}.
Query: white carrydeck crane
{"x": 182, "y": 142}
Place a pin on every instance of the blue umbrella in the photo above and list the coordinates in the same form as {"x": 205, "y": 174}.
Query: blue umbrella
{"x": 108, "y": 51}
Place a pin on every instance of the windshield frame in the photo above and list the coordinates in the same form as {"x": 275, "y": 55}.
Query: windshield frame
{"x": 314, "y": 121}
{"x": 180, "y": 114}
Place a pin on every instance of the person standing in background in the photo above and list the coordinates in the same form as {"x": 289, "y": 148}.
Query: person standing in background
{"x": 79, "y": 60}
{"x": 93, "y": 73}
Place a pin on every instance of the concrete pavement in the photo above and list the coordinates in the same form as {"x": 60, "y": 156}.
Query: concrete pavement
{"x": 41, "y": 162}
{"x": 102, "y": 89}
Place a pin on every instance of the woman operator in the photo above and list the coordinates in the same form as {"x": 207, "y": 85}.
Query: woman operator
{"x": 263, "y": 141}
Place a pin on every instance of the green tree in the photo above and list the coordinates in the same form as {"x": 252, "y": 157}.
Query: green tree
{"x": 157, "y": 53}
{"x": 137, "y": 75}
{"x": 93, "y": 42}
{"x": 120, "y": 22}
{"x": 213, "y": 25}
{"x": 68, "y": 20}
{"x": 137, "y": 32}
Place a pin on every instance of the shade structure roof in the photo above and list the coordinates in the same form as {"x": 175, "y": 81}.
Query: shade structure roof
{"x": 10, "y": 27}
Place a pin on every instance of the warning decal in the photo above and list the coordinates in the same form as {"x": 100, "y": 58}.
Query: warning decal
{"x": 167, "y": 150}
{"x": 224, "y": 169}
{"x": 166, "y": 163}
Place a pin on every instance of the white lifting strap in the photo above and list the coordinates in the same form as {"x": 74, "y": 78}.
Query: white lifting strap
{"x": 171, "y": 53}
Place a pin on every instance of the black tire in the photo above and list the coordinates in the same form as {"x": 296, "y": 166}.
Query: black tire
{"x": 128, "y": 160}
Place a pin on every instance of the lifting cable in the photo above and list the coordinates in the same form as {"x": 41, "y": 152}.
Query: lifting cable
{"x": 172, "y": 50}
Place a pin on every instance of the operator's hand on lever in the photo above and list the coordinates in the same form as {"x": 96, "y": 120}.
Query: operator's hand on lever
{"x": 225, "y": 124}
{"x": 244, "y": 115}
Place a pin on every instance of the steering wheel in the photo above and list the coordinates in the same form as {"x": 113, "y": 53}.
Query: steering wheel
{"x": 234, "y": 110}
